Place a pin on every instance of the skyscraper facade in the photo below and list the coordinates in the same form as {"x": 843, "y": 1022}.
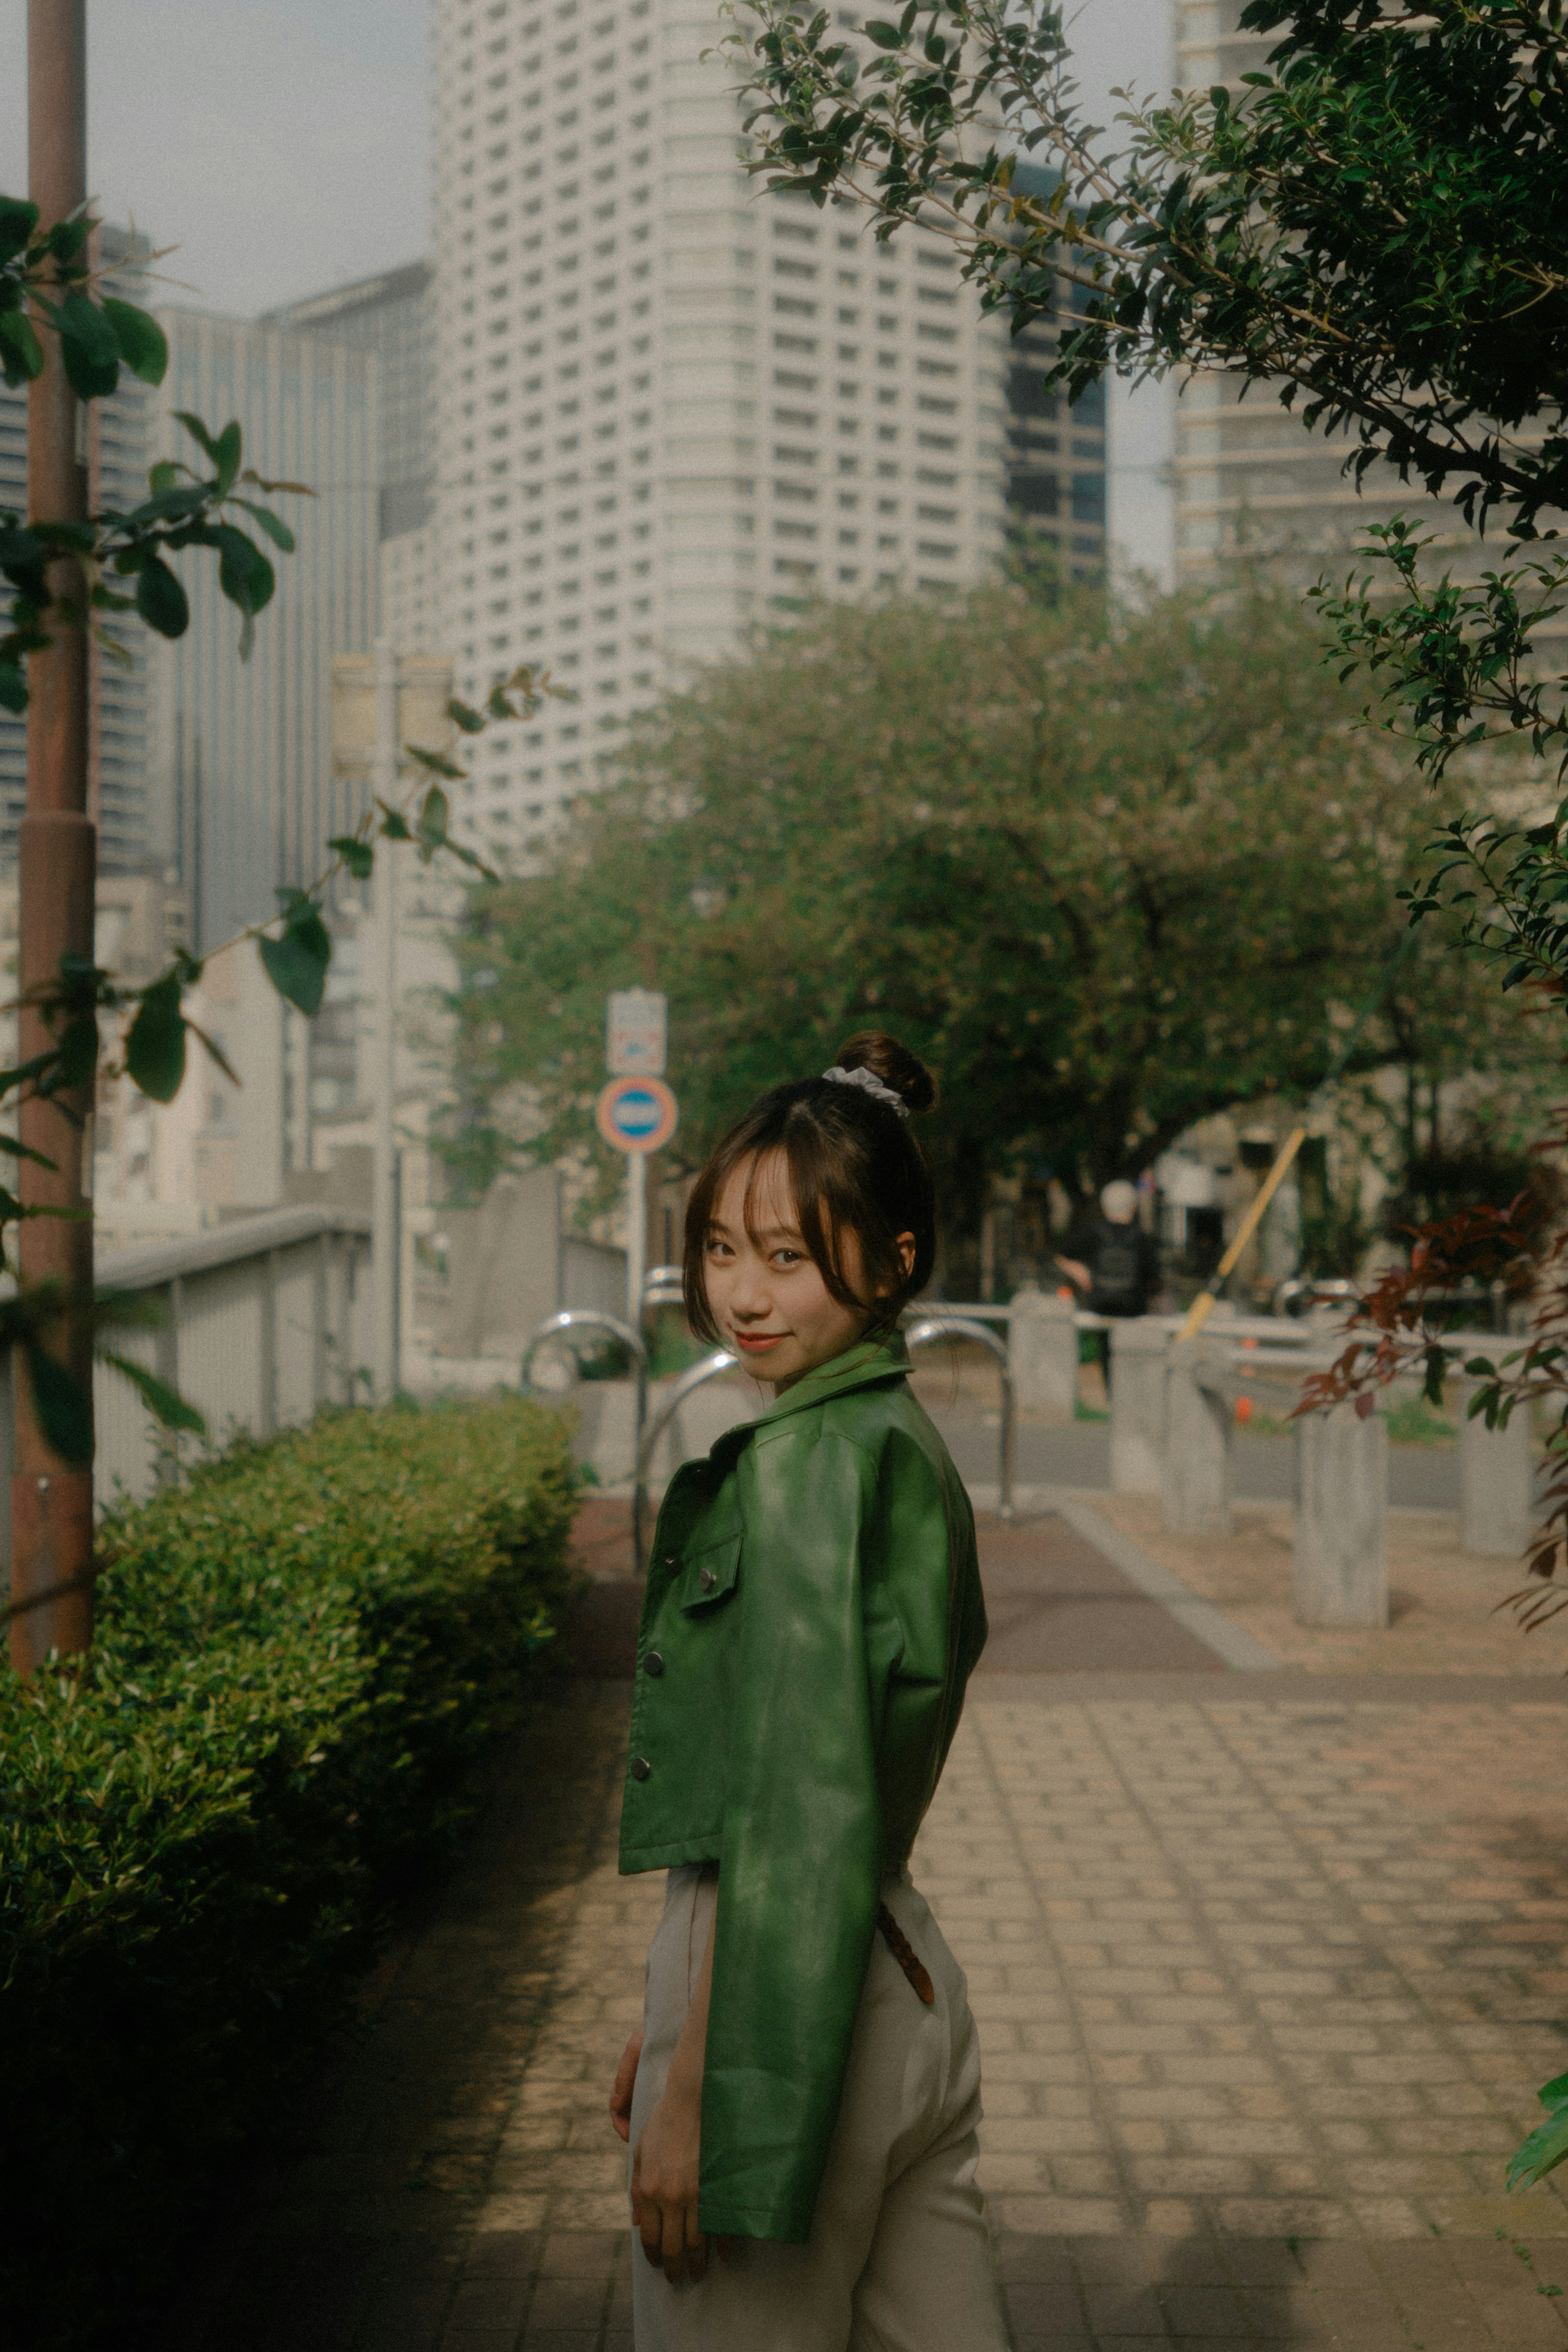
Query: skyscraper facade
{"x": 669, "y": 406}
{"x": 242, "y": 749}
{"x": 393, "y": 316}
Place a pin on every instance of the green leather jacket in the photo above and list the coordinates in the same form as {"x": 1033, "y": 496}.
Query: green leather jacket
{"x": 812, "y": 1614}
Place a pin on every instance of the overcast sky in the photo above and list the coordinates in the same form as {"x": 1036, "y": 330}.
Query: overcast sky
{"x": 283, "y": 146}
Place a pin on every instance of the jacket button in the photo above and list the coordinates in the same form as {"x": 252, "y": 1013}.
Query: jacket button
{"x": 707, "y": 1580}
{"x": 653, "y": 1663}
{"x": 641, "y": 1767}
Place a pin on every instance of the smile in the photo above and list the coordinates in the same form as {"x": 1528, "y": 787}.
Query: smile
{"x": 756, "y": 1343}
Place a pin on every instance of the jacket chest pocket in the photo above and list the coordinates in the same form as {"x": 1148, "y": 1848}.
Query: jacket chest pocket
{"x": 708, "y": 1576}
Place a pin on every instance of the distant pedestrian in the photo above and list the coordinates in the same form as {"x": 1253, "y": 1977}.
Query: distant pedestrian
{"x": 1111, "y": 1261}
{"x": 805, "y": 2087}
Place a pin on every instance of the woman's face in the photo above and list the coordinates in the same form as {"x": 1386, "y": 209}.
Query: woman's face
{"x": 765, "y": 1289}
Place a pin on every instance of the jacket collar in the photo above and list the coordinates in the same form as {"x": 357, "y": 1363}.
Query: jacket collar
{"x": 886, "y": 1357}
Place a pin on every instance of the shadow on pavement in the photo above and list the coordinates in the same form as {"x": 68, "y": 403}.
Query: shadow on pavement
{"x": 354, "y": 2231}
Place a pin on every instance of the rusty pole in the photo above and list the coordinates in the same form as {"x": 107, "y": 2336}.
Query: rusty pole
{"x": 51, "y": 1503}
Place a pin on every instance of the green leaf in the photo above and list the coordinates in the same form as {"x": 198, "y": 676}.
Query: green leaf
{"x": 18, "y": 219}
{"x": 18, "y": 1151}
{"x": 357, "y": 855}
{"x": 1542, "y": 2153}
{"x": 13, "y": 688}
{"x": 161, "y": 599}
{"x": 155, "y": 1044}
{"x": 432, "y": 815}
{"x": 89, "y": 348}
{"x": 229, "y": 452}
{"x": 198, "y": 432}
{"x": 168, "y": 503}
{"x": 297, "y": 963}
{"x": 21, "y": 353}
{"x": 77, "y": 538}
{"x": 63, "y": 1409}
{"x": 245, "y": 575}
{"x": 463, "y": 714}
{"x": 68, "y": 237}
{"x": 470, "y": 857}
{"x": 394, "y": 826}
{"x": 225, "y": 451}
{"x": 75, "y": 1058}
{"x": 166, "y": 1404}
{"x": 276, "y": 529}
{"x": 143, "y": 346}
{"x": 437, "y": 762}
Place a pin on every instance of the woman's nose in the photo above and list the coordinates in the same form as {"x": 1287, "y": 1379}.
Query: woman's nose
{"x": 750, "y": 1297}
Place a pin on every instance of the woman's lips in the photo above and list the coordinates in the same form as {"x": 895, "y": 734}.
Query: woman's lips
{"x": 756, "y": 1343}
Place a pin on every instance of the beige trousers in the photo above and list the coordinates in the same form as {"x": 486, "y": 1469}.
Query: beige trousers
{"x": 898, "y": 2259}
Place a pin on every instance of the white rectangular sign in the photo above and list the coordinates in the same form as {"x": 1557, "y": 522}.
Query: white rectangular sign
{"x": 634, "y": 1031}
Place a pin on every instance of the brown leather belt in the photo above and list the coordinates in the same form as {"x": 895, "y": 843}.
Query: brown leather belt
{"x": 903, "y": 1951}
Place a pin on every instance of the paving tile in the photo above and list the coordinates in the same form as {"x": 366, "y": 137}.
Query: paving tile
{"x": 1263, "y": 2000}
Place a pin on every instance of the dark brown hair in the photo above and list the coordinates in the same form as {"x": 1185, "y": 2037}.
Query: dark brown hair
{"x": 853, "y": 1167}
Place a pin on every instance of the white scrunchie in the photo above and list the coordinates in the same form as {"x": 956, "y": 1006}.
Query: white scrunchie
{"x": 872, "y": 1086}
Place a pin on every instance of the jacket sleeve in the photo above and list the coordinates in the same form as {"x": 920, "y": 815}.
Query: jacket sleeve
{"x": 800, "y": 1863}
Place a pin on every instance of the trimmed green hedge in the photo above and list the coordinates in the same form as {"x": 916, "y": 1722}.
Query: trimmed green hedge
{"x": 304, "y": 1652}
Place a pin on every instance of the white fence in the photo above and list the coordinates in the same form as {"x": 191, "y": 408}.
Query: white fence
{"x": 258, "y": 1324}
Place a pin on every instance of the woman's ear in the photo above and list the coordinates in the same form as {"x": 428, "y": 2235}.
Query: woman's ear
{"x": 904, "y": 1245}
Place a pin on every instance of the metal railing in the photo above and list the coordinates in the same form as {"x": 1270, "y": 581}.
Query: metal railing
{"x": 585, "y": 1319}
{"x": 955, "y": 1326}
{"x": 256, "y": 1324}
{"x": 711, "y": 1368}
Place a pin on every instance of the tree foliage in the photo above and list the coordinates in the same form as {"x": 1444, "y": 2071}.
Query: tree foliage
{"x": 1373, "y": 227}
{"x": 1110, "y": 872}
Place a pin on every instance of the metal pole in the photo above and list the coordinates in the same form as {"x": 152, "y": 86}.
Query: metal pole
{"x": 386, "y": 1240}
{"x": 51, "y": 1503}
{"x": 636, "y": 1234}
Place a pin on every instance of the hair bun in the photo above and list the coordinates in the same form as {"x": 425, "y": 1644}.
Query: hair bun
{"x": 893, "y": 1064}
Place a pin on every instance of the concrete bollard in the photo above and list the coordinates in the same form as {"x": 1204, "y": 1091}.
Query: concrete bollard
{"x": 1139, "y": 1346}
{"x": 1341, "y": 1518}
{"x": 1195, "y": 1494}
{"x": 1042, "y": 1352}
{"x": 1497, "y": 1481}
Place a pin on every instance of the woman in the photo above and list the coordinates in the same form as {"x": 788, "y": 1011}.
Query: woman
{"x": 805, "y": 2089}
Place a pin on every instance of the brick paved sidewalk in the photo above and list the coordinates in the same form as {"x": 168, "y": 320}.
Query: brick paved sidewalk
{"x": 1267, "y": 1968}
{"x": 1267, "y": 1974}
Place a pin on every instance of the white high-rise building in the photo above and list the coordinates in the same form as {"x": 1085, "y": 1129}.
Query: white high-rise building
{"x": 669, "y": 405}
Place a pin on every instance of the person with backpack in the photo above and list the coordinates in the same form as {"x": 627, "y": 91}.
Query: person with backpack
{"x": 1112, "y": 1260}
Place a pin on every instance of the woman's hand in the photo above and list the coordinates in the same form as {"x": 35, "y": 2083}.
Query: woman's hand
{"x": 665, "y": 2171}
{"x": 626, "y": 2083}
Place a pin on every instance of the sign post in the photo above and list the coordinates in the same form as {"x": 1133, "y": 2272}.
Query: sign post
{"x": 635, "y": 1026}
{"x": 637, "y": 1116}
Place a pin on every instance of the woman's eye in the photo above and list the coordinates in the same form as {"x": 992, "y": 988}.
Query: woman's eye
{"x": 786, "y": 1257}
